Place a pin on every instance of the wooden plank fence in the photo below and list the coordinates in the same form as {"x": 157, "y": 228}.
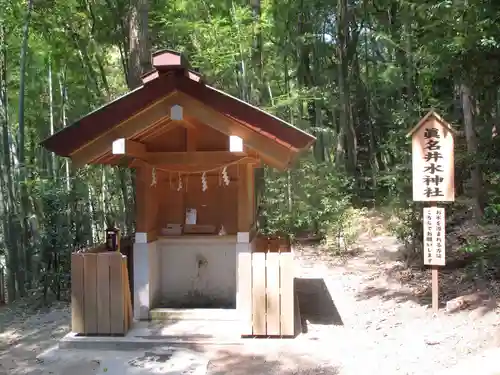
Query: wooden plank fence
{"x": 100, "y": 294}
{"x": 266, "y": 286}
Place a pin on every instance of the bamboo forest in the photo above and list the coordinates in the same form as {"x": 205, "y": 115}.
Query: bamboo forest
{"x": 356, "y": 75}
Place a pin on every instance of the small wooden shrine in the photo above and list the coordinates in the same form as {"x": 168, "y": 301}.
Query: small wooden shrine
{"x": 194, "y": 149}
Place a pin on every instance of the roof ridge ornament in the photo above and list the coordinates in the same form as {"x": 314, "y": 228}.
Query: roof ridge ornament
{"x": 167, "y": 59}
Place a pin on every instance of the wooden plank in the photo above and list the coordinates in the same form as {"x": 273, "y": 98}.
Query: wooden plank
{"x": 273, "y": 294}
{"x": 128, "y": 297}
{"x": 195, "y": 157}
{"x": 117, "y": 300}
{"x": 191, "y": 137}
{"x": 90, "y": 290}
{"x": 287, "y": 294}
{"x": 125, "y": 310}
{"x": 103, "y": 307}
{"x": 129, "y": 304}
{"x": 188, "y": 168}
{"x": 123, "y": 146}
{"x": 245, "y": 292}
{"x": 277, "y": 154}
{"x": 133, "y": 125}
{"x": 77, "y": 294}
{"x": 161, "y": 128}
{"x": 259, "y": 294}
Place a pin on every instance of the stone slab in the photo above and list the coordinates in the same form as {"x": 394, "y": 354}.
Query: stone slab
{"x": 147, "y": 335}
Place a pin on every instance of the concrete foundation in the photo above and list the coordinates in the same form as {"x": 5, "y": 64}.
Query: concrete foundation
{"x": 190, "y": 271}
{"x": 146, "y": 278}
{"x": 197, "y": 272}
{"x": 176, "y": 327}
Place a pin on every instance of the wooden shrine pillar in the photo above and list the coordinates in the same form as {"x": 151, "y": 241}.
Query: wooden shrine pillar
{"x": 246, "y": 219}
{"x": 246, "y": 197}
{"x": 146, "y": 203}
{"x": 146, "y": 255}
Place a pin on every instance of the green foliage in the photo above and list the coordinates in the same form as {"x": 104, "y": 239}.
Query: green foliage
{"x": 474, "y": 245}
{"x": 309, "y": 198}
{"x": 402, "y": 58}
{"x": 55, "y": 236}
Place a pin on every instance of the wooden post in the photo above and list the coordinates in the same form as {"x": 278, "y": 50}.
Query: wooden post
{"x": 434, "y": 279}
{"x": 435, "y": 288}
{"x": 146, "y": 202}
{"x": 245, "y": 197}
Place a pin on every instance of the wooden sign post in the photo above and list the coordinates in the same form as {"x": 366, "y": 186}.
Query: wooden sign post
{"x": 433, "y": 181}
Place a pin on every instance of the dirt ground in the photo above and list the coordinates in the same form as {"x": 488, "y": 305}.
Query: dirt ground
{"x": 24, "y": 334}
{"x": 357, "y": 318}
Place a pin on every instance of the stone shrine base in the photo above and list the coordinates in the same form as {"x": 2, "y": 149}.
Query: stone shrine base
{"x": 167, "y": 327}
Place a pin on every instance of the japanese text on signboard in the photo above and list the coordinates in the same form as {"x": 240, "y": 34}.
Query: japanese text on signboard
{"x": 434, "y": 236}
{"x": 433, "y": 161}
{"x": 433, "y": 168}
{"x": 428, "y": 238}
{"x": 439, "y": 233}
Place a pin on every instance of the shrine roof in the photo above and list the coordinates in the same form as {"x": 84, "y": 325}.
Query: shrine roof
{"x": 171, "y": 73}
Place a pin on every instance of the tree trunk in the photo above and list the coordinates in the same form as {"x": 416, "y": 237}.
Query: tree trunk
{"x": 21, "y": 154}
{"x": 343, "y": 83}
{"x": 53, "y": 159}
{"x": 260, "y": 182}
{"x": 472, "y": 148}
{"x": 64, "y": 100}
{"x": 139, "y": 54}
{"x": 9, "y": 213}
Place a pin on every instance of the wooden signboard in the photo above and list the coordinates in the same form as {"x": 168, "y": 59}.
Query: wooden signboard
{"x": 434, "y": 236}
{"x": 433, "y": 160}
{"x": 433, "y": 181}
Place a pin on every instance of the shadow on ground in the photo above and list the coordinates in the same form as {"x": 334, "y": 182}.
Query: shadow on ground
{"x": 387, "y": 294}
{"x": 477, "y": 300}
{"x": 227, "y": 363}
{"x": 411, "y": 281}
{"x": 25, "y": 333}
{"x": 316, "y": 303}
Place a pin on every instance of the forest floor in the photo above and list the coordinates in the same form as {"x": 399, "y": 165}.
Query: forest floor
{"x": 364, "y": 312}
{"x": 26, "y": 332}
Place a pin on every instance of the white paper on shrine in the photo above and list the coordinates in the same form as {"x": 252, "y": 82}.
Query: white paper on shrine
{"x": 191, "y": 216}
{"x": 434, "y": 236}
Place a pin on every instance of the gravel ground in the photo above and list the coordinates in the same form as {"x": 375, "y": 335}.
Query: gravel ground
{"x": 381, "y": 327}
{"x": 25, "y": 333}
{"x": 357, "y": 319}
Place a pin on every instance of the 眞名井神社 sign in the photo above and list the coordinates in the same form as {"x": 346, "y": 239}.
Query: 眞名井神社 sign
{"x": 434, "y": 236}
{"x": 433, "y": 160}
